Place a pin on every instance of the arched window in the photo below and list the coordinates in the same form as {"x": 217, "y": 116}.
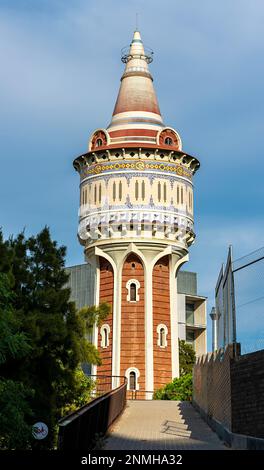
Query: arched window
{"x": 132, "y": 374}
{"x": 120, "y": 191}
{"x": 132, "y": 380}
{"x": 99, "y": 143}
{"x": 143, "y": 190}
{"x": 162, "y": 331}
{"x": 136, "y": 190}
{"x": 132, "y": 286}
{"x": 105, "y": 333}
{"x": 114, "y": 191}
{"x": 159, "y": 191}
{"x": 133, "y": 292}
{"x": 168, "y": 141}
{"x": 162, "y": 337}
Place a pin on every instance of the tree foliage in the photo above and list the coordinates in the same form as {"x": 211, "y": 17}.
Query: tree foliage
{"x": 179, "y": 389}
{"x": 186, "y": 357}
{"x": 44, "y": 337}
{"x": 15, "y": 410}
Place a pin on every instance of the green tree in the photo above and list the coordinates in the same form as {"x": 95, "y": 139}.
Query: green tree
{"x": 186, "y": 357}
{"x": 15, "y": 410}
{"x": 56, "y": 331}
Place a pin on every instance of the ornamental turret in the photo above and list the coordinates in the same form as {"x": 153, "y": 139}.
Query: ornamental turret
{"x": 136, "y": 224}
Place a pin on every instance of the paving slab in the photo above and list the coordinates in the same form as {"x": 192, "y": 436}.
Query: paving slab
{"x": 161, "y": 425}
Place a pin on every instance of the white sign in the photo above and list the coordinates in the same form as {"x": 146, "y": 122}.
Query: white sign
{"x": 40, "y": 430}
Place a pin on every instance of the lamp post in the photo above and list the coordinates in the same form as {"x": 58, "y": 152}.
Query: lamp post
{"x": 214, "y": 316}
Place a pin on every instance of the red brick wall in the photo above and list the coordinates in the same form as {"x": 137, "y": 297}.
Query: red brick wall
{"x": 133, "y": 322}
{"x": 161, "y": 314}
{"x": 106, "y": 295}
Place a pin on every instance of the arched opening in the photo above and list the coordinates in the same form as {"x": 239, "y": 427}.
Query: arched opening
{"x": 99, "y": 143}
{"x": 162, "y": 331}
{"x": 104, "y": 338}
{"x": 133, "y": 292}
{"x": 132, "y": 382}
{"x": 132, "y": 286}
{"x": 168, "y": 141}
{"x": 105, "y": 332}
{"x": 162, "y": 337}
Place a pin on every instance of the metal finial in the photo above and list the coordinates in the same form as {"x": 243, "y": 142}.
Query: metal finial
{"x": 136, "y": 21}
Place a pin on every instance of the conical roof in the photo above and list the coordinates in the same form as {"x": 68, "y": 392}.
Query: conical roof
{"x": 136, "y": 115}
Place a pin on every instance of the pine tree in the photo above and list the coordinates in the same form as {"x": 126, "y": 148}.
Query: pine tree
{"x": 56, "y": 331}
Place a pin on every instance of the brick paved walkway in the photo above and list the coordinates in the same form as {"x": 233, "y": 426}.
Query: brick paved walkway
{"x": 161, "y": 425}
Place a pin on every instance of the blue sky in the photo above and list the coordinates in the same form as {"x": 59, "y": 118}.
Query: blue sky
{"x": 59, "y": 76}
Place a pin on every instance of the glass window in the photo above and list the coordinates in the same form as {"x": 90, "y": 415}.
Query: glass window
{"x": 162, "y": 337}
{"x": 99, "y": 143}
{"x": 132, "y": 380}
{"x": 190, "y": 313}
{"x": 133, "y": 292}
{"x": 190, "y": 337}
{"x": 168, "y": 141}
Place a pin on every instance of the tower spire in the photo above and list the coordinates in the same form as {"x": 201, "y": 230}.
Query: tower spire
{"x": 136, "y": 94}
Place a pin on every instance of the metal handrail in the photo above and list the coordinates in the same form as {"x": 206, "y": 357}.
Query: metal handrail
{"x": 81, "y": 428}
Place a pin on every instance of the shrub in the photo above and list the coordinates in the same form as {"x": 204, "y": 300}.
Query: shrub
{"x": 179, "y": 389}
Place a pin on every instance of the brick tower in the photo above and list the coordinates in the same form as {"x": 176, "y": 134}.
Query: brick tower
{"x": 136, "y": 224}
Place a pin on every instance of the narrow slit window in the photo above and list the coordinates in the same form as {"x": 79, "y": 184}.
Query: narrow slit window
{"x": 100, "y": 193}
{"x": 95, "y": 194}
{"x": 105, "y": 333}
{"x": 162, "y": 337}
{"x": 143, "y": 190}
{"x": 136, "y": 190}
{"x": 181, "y": 195}
{"x": 165, "y": 192}
{"x": 159, "y": 192}
{"x": 178, "y": 194}
{"x": 133, "y": 292}
{"x": 114, "y": 191}
{"x": 132, "y": 380}
{"x": 120, "y": 191}
{"x": 162, "y": 331}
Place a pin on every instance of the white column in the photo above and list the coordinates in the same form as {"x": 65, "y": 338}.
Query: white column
{"x": 175, "y": 370}
{"x": 116, "y": 343}
{"x": 96, "y": 302}
{"x": 149, "y": 379}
